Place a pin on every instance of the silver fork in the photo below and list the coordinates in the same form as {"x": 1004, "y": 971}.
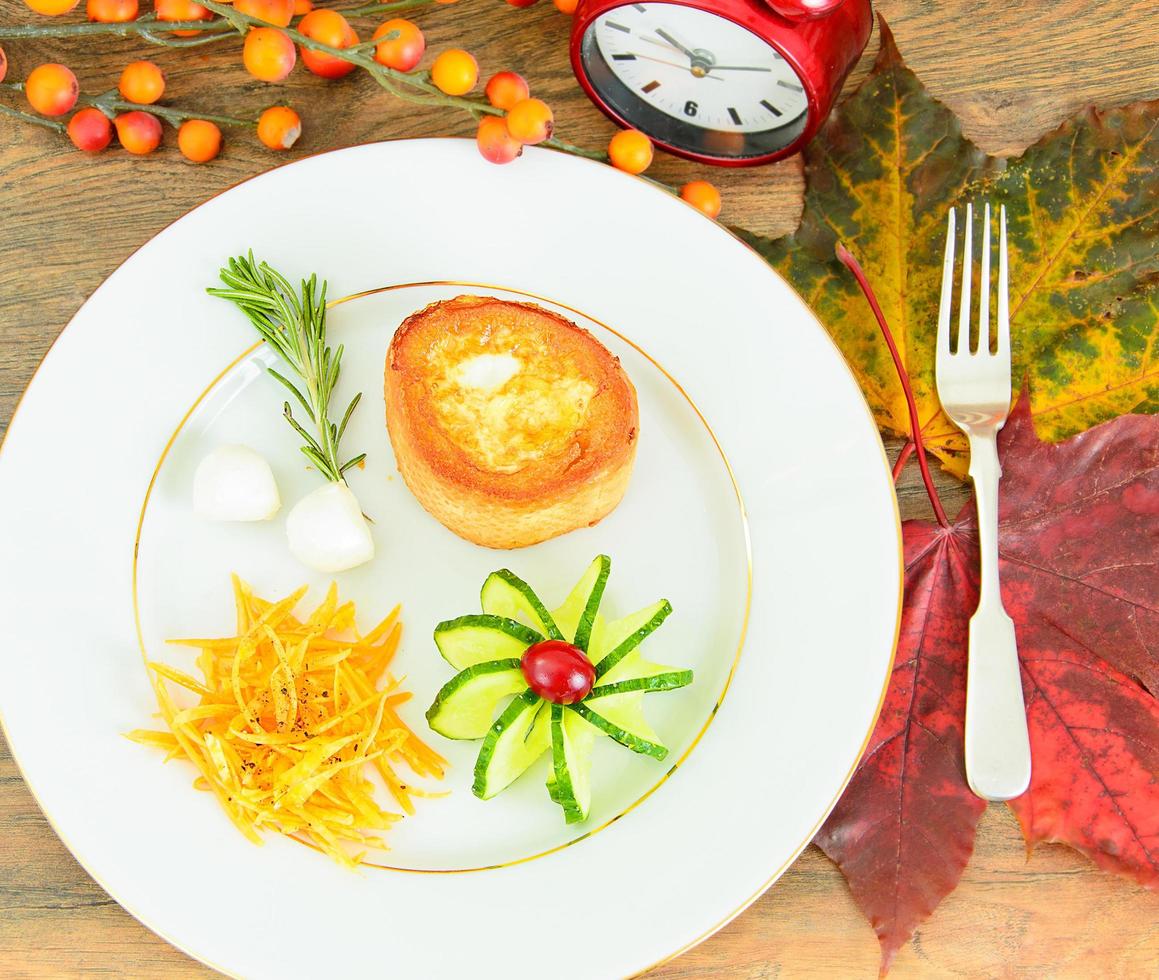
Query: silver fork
{"x": 974, "y": 389}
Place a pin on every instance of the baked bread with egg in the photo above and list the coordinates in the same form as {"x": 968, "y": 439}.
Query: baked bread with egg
{"x": 510, "y": 423}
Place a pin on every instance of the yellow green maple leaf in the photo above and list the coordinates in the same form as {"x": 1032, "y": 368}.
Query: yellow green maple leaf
{"x": 1083, "y": 212}
{"x": 1082, "y": 204}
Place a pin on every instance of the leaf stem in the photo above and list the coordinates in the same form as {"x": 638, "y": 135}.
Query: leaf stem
{"x": 847, "y": 259}
{"x": 902, "y": 458}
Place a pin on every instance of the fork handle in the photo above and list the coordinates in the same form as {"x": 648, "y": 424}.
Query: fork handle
{"x": 997, "y": 740}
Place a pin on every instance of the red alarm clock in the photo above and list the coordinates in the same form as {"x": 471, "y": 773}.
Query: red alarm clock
{"x": 727, "y": 82}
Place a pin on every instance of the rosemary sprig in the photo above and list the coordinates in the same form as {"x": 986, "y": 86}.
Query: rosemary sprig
{"x": 294, "y": 324}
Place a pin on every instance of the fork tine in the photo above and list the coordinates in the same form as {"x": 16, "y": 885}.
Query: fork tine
{"x": 984, "y": 290}
{"x": 947, "y": 291}
{"x": 967, "y": 272}
{"x": 1003, "y": 291}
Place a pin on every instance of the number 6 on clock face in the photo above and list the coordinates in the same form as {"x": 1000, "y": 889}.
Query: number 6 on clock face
{"x": 707, "y": 80}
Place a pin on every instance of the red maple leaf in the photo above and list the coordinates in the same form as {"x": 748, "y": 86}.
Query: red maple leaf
{"x": 1079, "y": 542}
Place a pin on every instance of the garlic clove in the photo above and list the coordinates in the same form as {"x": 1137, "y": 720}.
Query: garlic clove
{"x": 234, "y": 483}
{"x": 327, "y": 531}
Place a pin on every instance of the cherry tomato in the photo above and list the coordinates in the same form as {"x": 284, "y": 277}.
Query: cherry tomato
{"x": 51, "y": 89}
{"x": 90, "y": 130}
{"x": 558, "y": 672}
{"x": 276, "y": 12}
{"x": 268, "y": 54}
{"x": 495, "y": 142}
{"x": 506, "y": 88}
{"x": 401, "y": 53}
{"x": 630, "y": 151}
{"x": 702, "y": 196}
{"x": 112, "y": 11}
{"x": 279, "y": 127}
{"x": 143, "y": 82}
{"x": 455, "y": 72}
{"x": 139, "y": 132}
{"x": 51, "y": 8}
{"x": 331, "y": 28}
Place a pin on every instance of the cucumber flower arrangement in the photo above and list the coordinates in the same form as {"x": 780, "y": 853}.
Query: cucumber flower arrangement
{"x": 569, "y": 675}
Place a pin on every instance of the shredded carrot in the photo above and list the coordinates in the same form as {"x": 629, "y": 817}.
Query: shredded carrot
{"x": 290, "y": 717}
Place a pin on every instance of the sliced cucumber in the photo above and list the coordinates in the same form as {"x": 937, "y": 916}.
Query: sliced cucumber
{"x": 619, "y": 638}
{"x": 663, "y": 680}
{"x": 519, "y": 737}
{"x": 634, "y": 667}
{"x": 571, "y": 757}
{"x": 629, "y": 728}
{"x": 576, "y": 617}
{"x": 465, "y": 707}
{"x": 471, "y": 640}
{"x": 506, "y": 594}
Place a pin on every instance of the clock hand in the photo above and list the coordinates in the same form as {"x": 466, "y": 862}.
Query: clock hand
{"x": 713, "y": 68}
{"x": 676, "y": 44}
{"x": 672, "y": 64}
{"x": 659, "y": 44}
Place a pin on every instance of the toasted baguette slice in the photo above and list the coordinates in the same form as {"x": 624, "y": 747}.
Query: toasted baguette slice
{"x": 509, "y": 423}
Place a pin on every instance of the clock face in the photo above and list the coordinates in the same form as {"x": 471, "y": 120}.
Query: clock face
{"x": 694, "y": 80}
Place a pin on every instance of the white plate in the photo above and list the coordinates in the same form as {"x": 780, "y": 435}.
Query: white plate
{"x": 731, "y": 368}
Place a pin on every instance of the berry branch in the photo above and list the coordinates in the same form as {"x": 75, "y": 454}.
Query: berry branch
{"x": 111, "y": 104}
{"x": 508, "y": 117}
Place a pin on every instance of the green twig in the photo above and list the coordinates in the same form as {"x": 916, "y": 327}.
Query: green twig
{"x": 36, "y": 120}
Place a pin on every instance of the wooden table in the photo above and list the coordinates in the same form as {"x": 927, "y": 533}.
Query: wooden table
{"x": 1011, "y": 72}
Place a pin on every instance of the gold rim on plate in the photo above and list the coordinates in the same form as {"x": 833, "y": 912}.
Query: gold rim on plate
{"x": 244, "y": 355}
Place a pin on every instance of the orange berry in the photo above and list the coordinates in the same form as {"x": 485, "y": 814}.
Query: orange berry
{"x": 279, "y": 127}
{"x": 181, "y": 10}
{"x": 455, "y": 72}
{"x": 139, "y": 132}
{"x": 3, "y": 64}
{"x": 303, "y": 7}
{"x": 268, "y": 54}
{"x": 142, "y": 82}
{"x": 495, "y": 142}
{"x": 506, "y": 88}
{"x": 630, "y": 151}
{"x": 530, "y": 121}
{"x": 51, "y": 8}
{"x": 401, "y": 53}
{"x": 446, "y": 1}
{"x": 199, "y": 140}
{"x": 331, "y": 28}
{"x": 90, "y": 130}
{"x": 566, "y": 6}
{"x": 112, "y": 11}
{"x": 51, "y": 89}
{"x": 276, "y": 12}
{"x": 702, "y": 196}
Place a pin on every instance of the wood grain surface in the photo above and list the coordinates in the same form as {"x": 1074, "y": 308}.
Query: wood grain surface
{"x": 1010, "y": 70}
